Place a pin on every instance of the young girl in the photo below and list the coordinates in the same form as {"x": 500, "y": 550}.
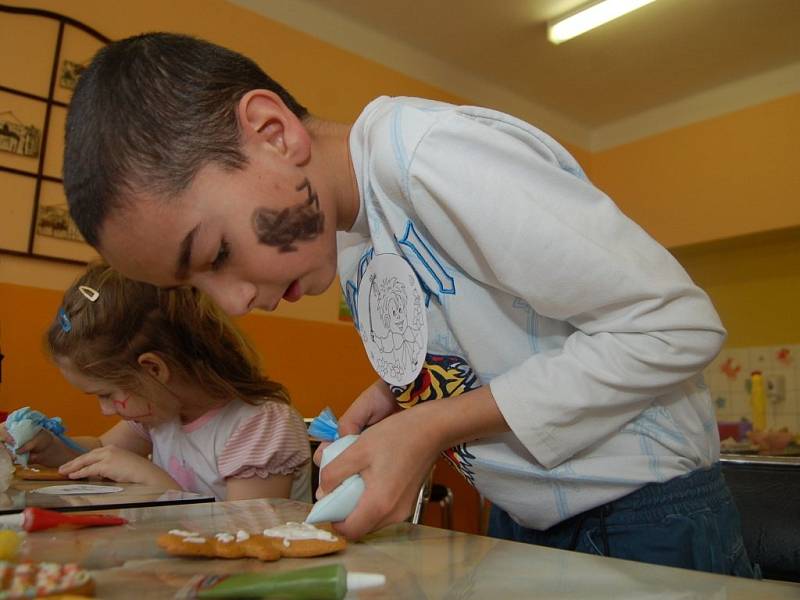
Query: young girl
{"x": 188, "y": 389}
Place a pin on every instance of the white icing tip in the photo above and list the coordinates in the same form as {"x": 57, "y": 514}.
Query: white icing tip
{"x": 360, "y": 581}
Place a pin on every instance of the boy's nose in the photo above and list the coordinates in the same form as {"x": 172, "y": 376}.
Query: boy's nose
{"x": 235, "y": 299}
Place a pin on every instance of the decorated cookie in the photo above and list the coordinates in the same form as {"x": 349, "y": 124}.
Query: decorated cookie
{"x": 301, "y": 540}
{"x": 219, "y": 545}
{"x": 293, "y": 540}
{"x": 41, "y": 579}
{"x": 39, "y": 473}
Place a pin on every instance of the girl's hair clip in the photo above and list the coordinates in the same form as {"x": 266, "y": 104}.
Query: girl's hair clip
{"x": 90, "y": 294}
{"x": 63, "y": 319}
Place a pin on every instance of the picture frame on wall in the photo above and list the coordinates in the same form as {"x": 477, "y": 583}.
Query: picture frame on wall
{"x": 34, "y": 95}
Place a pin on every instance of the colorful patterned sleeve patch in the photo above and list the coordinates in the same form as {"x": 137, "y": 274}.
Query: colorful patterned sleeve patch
{"x": 441, "y": 377}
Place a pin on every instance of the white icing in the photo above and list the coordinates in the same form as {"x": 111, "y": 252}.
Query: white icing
{"x": 183, "y": 533}
{"x": 225, "y": 538}
{"x": 242, "y": 535}
{"x": 286, "y": 542}
{"x": 300, "y": 531}
{"x": 195, "y": 540}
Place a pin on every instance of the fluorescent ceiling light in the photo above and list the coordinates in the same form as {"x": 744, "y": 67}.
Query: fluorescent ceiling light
{"x": 594, "y": 15}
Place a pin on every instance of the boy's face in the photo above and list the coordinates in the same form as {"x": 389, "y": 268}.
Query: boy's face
{"x": 248, "y": 238}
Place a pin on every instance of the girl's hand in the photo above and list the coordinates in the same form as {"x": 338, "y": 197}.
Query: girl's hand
{"x": 118, "y": 465}
{"x": 44, "y": 448}
{"x": 372, "y": 405}
{"x": 5, "y": 437}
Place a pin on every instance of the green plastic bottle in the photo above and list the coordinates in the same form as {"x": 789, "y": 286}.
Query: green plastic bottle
{"x": 328, "y": 582}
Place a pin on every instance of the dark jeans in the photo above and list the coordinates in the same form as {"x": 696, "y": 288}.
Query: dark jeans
{"x": 689, "y": 522}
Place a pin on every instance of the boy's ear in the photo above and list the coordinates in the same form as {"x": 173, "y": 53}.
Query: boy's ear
{"x": 155, "y": 366}
{"x": 266, "y": 122}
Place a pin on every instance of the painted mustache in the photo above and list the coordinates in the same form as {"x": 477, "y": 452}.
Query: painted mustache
{"x": 282, "y": 228}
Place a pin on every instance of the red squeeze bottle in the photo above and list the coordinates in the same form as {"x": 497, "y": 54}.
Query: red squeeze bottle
{"x": 37, "y": 519}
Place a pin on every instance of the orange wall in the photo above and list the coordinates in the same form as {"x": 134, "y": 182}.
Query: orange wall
{"x": 322, "y": 364}
{"x": 733, "y": 175}
{"x": 754, "y": 282}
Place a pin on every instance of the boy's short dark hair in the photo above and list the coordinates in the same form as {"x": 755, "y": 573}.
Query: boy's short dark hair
{"x": 147, "y": 114}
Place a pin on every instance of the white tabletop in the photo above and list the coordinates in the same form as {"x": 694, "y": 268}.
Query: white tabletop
{"x": 419, "y": 562}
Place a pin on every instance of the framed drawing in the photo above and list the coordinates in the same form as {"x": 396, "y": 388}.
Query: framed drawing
{"x": 34, "y": 94}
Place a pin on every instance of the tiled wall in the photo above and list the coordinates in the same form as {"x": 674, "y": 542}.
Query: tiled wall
{"x": 728, "y": 376}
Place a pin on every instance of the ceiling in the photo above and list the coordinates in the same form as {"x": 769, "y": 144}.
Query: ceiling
{"x": 497, "y": 53}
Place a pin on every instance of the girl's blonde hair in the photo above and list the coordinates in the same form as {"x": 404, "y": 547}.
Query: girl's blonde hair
{"x": 104, "y": 338}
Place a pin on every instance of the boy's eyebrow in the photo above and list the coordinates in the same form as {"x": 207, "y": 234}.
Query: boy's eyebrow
{"x": 185, "y": 256}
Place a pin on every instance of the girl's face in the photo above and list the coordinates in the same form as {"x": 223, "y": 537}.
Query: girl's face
{"x": 158, "y": 405}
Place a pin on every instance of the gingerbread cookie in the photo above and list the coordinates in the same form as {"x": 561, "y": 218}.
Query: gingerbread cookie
{"x": 293, "y": 540}
{"x": 39, "y": 473}
{"x": 41, "y": 579}
{"x": 221, "y": 545}
{"x": 301, "y": 540}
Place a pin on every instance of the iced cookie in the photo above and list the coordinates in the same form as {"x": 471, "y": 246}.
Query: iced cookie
{"x": 219, "y": 545}
{"x": 39, "y": 473}
{"x": 301, "y": 540}
{"x": 293, "y": 540}
{"x": 41, "y": 579}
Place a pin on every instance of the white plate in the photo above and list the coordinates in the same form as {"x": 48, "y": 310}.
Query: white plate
{"x": 82, "y": 489}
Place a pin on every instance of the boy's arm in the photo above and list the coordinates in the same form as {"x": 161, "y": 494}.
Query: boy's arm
{"x": 393, "y": 478}
{"x": 637, "y": 326}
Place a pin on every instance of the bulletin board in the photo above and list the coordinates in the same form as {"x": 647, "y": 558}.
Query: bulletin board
{"x": 42, "y": 54}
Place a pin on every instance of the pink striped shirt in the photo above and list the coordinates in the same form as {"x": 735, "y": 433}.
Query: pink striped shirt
{"x": 237, "y": 440}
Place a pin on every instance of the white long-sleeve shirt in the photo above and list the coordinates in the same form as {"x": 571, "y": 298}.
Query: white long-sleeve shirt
{"x": 590, "y": 335}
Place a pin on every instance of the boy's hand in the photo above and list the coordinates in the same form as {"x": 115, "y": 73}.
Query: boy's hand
{"x": 372, "y": 405}
{"x": 118, "y": 465}
{"x": 394, "y": 457}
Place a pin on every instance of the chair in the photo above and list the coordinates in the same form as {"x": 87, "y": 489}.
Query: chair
{"x": 314, "y": 443}
{"x": 766, "y": 491}
{"x": 434, "y": 492}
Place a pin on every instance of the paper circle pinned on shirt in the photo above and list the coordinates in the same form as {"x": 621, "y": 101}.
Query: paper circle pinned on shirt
{"x": 392, "y": 320}
{"x": 77, "y": 489}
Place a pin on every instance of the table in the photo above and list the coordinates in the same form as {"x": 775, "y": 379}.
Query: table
{"x": 21, "y": 494}
{"x": 419, "y": 562}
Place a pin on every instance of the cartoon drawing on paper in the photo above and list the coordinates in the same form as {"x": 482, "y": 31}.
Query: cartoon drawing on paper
{"x": 395, "y": 323}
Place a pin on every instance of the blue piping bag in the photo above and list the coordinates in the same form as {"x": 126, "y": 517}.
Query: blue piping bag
{"x": 324, "y": 427}
{"x": 337, "y": 505}
{"x": 24, "y": 423}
